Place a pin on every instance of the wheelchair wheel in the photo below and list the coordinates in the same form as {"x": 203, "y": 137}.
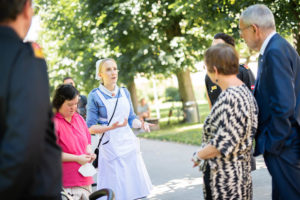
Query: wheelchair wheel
{"x": 102, "y": 193}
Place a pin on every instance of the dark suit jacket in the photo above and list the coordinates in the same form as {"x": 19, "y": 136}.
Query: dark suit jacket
{"x": 30, "y": 159}
{"x": 277, "y": 91}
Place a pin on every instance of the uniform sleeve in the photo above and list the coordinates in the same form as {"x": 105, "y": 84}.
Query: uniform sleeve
{"x": 132, "y": 115}
{"x": 251, "y": 78}
{"x": 27, "y": 121}
{"x": 227, "y": 135}
{"x": 213, "y": 90}
{"x": 206, "y": 82}
{"x": 244, "y": 76}
{"x": 92, "y": 111}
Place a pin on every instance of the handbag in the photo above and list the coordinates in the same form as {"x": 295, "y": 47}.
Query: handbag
{"x": 95, "y": 162}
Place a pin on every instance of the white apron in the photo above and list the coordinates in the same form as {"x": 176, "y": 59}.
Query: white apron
{"x": 121, "y": 166}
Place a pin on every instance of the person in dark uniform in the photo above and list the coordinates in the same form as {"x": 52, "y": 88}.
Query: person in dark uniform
{"x": 245, "y": 74}
{"x": 30, "y": 159}
{"x": 81, "y": 108}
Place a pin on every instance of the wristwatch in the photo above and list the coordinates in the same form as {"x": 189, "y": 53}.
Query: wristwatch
{"x": 200, "y": 162}
{"x": 196, "y": 158}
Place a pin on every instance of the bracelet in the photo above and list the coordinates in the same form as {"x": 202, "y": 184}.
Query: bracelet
{"x": 196, "y": 158}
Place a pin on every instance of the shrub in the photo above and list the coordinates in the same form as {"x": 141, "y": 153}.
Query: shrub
{"x": 172, "y": 94}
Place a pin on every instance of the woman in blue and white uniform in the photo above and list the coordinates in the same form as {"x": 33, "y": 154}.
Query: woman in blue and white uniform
{"x": 120, "y": 165}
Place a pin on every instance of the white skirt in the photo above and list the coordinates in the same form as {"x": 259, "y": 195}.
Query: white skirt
{"x": 126, "y": 175}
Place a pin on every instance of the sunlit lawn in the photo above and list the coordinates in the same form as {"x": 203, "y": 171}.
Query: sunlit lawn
{"x": 176, "y": 131}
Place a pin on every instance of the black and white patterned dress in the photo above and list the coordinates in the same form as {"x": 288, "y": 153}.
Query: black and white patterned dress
{"x": 230, "y": 127}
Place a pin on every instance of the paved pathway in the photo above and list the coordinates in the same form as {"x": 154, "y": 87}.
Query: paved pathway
{"x": 173, "y": 177}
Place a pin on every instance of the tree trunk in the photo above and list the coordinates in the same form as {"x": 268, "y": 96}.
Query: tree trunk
{"x": 132, "y": 90}
{"x": 187, "y": 95}
{"x": 185, "y": 86}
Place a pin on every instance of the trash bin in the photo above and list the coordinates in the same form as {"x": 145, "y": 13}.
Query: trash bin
{"x": 190, "y": 112}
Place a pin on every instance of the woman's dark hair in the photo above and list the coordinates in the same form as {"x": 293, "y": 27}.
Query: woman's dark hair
{"x": 226, "y": 38}
{"x": 224, "y": 57}
{"x": 9, "y": 9}
{"x": 67, "y": 77}
{"x": 62, "y": 93}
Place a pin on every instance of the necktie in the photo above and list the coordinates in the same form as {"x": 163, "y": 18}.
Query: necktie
{"x": 259, "y": 70}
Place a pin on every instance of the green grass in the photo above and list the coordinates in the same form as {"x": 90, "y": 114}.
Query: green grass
{"x": 176, "y": 131}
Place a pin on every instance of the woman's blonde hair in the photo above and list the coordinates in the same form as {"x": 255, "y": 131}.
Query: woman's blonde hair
{"x": 99, "y": 66}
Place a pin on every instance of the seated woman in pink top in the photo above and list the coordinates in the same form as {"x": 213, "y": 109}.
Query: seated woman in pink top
{"x": 75, "y": 140}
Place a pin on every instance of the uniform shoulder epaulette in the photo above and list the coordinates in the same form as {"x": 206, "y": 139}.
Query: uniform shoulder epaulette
{"x": 245, "y": 66}
{"x": 37, "y": 50}
{"x": 212, "y": 88}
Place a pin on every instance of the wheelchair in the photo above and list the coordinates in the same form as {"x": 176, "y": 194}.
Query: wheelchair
{"x": 95, "y": 195}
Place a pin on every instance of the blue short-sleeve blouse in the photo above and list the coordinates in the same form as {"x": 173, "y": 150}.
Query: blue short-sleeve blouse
{"x": 96, "y": 110}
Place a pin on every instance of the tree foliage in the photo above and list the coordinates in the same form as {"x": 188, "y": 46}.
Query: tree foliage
{"x": 150, "y": 37}
{"x": 70, "y": 42}
{"x": 223, "y": 15}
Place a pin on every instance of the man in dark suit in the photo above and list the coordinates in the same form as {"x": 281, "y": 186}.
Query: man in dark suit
{"x": 30, "y": 159}
{"x": 277, "y": 91}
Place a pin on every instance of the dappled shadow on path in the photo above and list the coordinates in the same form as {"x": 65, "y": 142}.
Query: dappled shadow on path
{"x": 174, "y": 186}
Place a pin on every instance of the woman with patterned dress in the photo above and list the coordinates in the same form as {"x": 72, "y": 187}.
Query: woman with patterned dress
{"x": 121, "y": 166}
{"x": 228, "y": 130}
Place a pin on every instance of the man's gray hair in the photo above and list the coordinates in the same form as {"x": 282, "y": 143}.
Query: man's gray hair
{"x": 260, "y": 15}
